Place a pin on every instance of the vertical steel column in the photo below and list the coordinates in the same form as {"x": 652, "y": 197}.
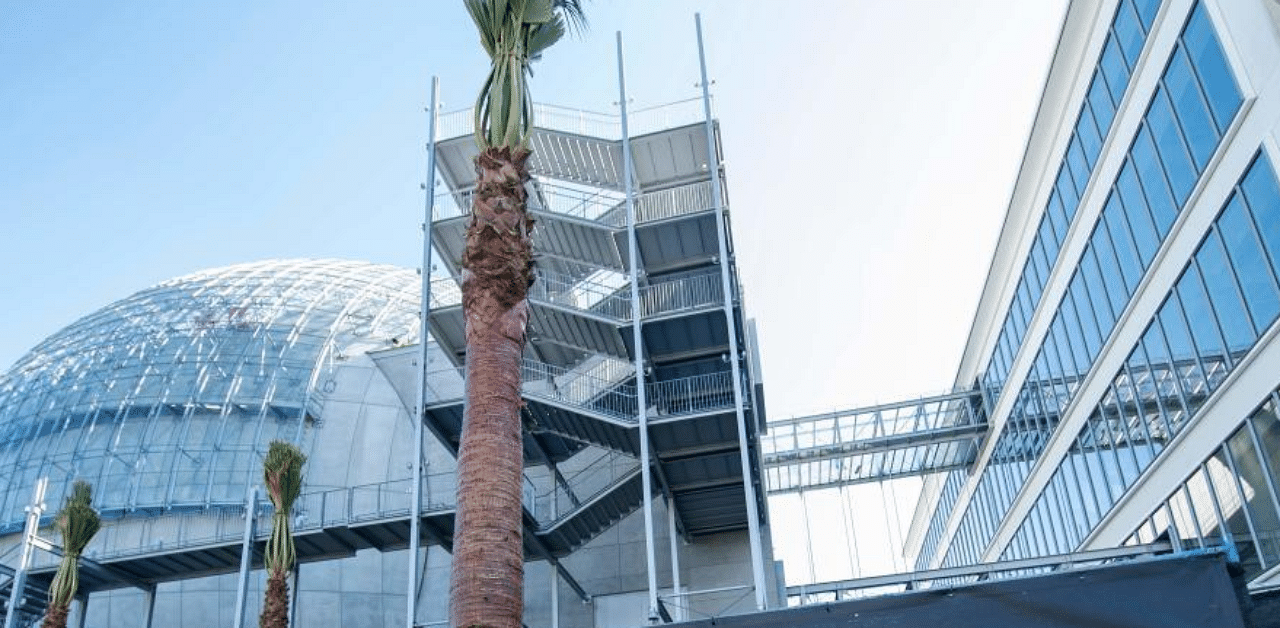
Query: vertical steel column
{"x": 34, "y": 511}
{"x": 633, "y": 250}
{"x": 149, "y": 606}
{"x": 419, "y": 410}
{"x": 297, "y": 593}
{"x": 713, "y": 163}
{"x": 246, "y": 555}
{"x": 675, "y": 553}
{"x": 555, "y": 596}
{"x": 82, "y": 601}
{"x": 18, "y": 591}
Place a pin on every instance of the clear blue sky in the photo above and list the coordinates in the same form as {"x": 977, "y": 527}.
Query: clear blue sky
{"x": 871, "y": 147}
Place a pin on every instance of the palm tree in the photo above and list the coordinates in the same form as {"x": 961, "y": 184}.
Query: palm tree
{"x": 282, "y": 473}
{"x": 487, "y": 584}
{"x": 77, "y": 522}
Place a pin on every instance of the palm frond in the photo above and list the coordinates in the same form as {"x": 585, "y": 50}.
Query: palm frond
{"x": 575, "y": 17}
{"x": 514, "y": 33}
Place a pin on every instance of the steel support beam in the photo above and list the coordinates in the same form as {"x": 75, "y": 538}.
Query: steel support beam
{"x": 246, "y": 556}
{"x": 728, "y": 290}
{"x": 642, "y": 410}
{"x": 419, "y": 409}
{"x": 34, "y": 512}
{"x": 149, "y": 606}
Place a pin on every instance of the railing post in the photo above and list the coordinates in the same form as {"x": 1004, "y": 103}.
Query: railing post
{"x": 246, "y": 555}
{"x": 19, "y": 590}
{"x": 638, "y": 344}
{"x": 419, "y": 410}
{"x": 713, "y": 161}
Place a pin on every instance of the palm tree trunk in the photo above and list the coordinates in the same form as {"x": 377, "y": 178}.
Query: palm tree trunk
{"x": 275, "y": 605}
{"x": 487, "y": 584}
{"x": 56, "y": 616}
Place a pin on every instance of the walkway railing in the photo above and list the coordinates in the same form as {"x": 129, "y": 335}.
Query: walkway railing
{"x": 605, "y": 299}
{"x": 340, "y": 507}
{"x": 824, "y": 592}
{"x": 599, "y": 475}
{"x": 602, "y": 206}
{"x": 586, "y": 295}
{"x": 680, "y": 295}
{"x": 792, "y": 437}
{"x": 596, "y": 392}
{"x": 608, "y": 126}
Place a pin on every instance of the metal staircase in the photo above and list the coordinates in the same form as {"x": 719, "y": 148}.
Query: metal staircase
{"x": 580, "y": 375}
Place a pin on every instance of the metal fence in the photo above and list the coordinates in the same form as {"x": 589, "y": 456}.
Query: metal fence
{"x": 454, "y": 124}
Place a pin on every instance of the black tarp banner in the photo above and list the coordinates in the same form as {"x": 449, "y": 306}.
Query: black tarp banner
{"x": 1192, "y": 591}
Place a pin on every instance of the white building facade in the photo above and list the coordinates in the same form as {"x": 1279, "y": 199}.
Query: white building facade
{"x": 1125, "y": 342}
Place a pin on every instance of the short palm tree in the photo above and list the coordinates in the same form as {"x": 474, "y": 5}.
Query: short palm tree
{"x": 487, "y": 584}
{"x": 77, "y": 522}
{"x": 282, "y": 473}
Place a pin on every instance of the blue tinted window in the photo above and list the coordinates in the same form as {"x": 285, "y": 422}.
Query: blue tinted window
{"x": 1035, "y": 284}
{"x": 1090, "y": 140}
{"x": 1100, "y": 100}
{"x": 1092, "y": 335}
{"x": 1037, "y": 256}
{"x": 1112, "y": 278}
{"x": 1154, "y": 187}
{"x": 1250, "y": 263}
{"x": 1223, "y": 293}
{"x": 1130, "y": 266}
{"x": 1143, "y": 231}
{"x": 1016, "y": 315}
{"x": 1067, "y": 192}
{"x": 1075, "y": 337}
{"x": 1060, "y": 222}
{"x": 1211, "y": 65}
{"x": 1176, "y": 332}
{"x": 1190, "y": 107}
{"x": 1263, "y": 196}
{"x": 1199, "y": 314}
{"x": 1103, "y": 310}
{"x": 1045, "y": 244}
{"x": 1060, "y": 348}
{"x": 1115, "y": 70}
{"x": 1053, "y": 362}
{"x": 1129, "y": 33}
{"x": 1079, "y": 167}
{"x": 1173, "y": 153}
{"x": 1146, "y": 11}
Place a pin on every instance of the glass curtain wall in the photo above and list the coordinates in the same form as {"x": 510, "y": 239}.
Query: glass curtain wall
{"x": 1194, "y": 103}
{"x": 1227, "y": 296}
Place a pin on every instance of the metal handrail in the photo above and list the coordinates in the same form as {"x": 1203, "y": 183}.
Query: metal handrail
{"x": 968, "y": 574}
{"x": 600, "y": 299}
{"x": 594, "y": 205}
{"x": 692, "y": 395}
{"x": 683, "y": 294}
{"x": 586, "y": 295}
{"x": 607, "y": 395}
{"x": 313, "y": 510}
{"x": 460, "y": 123}
{"x": 601, "y": 475}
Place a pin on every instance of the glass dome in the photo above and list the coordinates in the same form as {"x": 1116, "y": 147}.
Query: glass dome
{"x": 168, "y": 398}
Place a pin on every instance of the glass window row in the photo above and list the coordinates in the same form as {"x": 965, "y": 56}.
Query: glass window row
{"x": 1155, "y": 181}
{"x": 1231, "y": 498}
{"x": 1227, "y": 296}
{"x": 1125, "y": 39}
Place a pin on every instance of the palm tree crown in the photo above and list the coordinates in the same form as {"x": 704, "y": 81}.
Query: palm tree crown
{"x": 514, "y": 33}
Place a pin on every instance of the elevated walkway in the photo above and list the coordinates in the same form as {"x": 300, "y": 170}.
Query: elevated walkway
{"x": 874, "y": 443}
{"x": 335, "y": 524}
